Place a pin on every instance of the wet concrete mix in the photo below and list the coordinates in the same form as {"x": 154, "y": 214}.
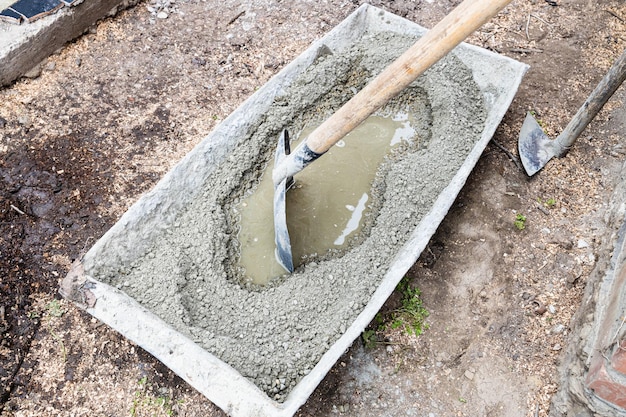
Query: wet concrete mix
{"x": 275, "y": 334}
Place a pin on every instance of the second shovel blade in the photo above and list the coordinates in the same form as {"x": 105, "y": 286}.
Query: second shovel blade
{"x": 535, "y": 147}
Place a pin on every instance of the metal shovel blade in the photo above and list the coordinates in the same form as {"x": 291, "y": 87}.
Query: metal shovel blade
{"x": 535, "y": 148}
{"x": 283, "y": 243}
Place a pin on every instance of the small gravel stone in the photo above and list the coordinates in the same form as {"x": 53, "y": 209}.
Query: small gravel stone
{"x": 33, "y": 72}
{"x": 557, "y": 329}
{"x": 198, "y": 61}
{"x": 24, "y": 120}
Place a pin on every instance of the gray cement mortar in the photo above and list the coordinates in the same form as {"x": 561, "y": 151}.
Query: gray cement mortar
{"x": 275, "y": 335}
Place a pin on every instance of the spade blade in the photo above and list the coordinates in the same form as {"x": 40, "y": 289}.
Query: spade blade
{"x": 281, "y": 233}
{"x": 535, "y": 148}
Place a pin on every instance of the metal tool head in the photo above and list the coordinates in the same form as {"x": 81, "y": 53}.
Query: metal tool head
{"x": 283, "y": 243}
{"x": 535, "y": 148}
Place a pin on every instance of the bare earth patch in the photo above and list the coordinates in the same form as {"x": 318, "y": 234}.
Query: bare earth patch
{"x": 113, "y": 111}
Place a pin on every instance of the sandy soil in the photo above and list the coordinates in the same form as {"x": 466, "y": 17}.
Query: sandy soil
{"x": 113, "y": 111}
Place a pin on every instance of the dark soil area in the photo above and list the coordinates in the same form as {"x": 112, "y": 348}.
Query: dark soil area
{"x": 47, "y": 201}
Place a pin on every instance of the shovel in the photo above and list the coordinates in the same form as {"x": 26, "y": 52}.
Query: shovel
{"x": 536, "y": 149}
{"x": 430, "y": 48}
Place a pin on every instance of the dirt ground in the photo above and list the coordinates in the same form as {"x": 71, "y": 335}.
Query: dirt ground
{"x": 103, "y": 119}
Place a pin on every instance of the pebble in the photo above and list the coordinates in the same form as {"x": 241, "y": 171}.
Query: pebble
{"x": 469, "y": 374}
{"x": 162, "y": 15}
{"x": 582, "y": 244}
{"x": 551, "y": 309}
{"x": 557, "y": 329}
{"x": 24, "y": 120}
{"x": 33, "y": 72}
{"x": 202, "y": 62}
{"x": 556, "y": 347}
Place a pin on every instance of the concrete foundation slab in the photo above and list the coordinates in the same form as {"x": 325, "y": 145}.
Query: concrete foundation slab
{"x": 26, "y": 45}
{"x": 126, "y": 243}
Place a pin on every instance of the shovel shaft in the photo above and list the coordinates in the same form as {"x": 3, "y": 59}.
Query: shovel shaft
{"x": 430, "y": 48}
{"x": 598, "y": 98}
{"x": 434, "y": 45}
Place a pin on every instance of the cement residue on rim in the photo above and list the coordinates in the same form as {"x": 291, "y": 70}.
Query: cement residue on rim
{"x": 274, "y": 336}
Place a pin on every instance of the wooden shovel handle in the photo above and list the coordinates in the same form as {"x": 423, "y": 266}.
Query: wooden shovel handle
{"x": 436, "y": 43}
{"x": 594, "y": 103}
